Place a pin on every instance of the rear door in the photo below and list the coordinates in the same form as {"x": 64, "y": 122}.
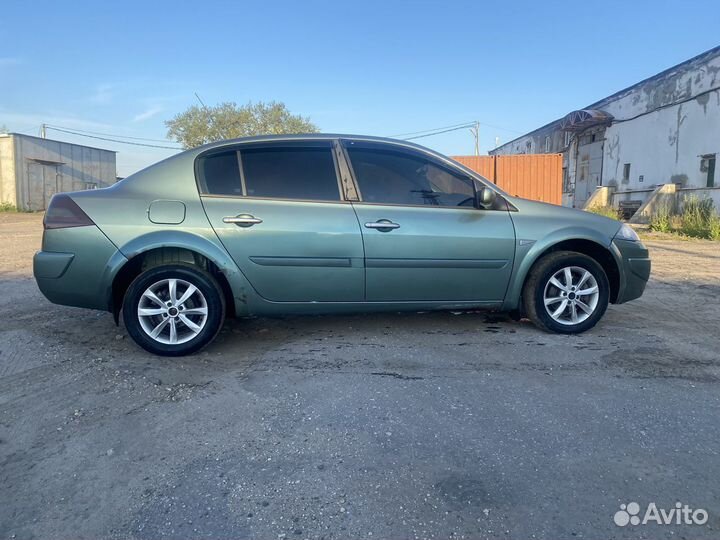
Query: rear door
{"x": 424, "y": 239}
{"x": 277, "y": 208}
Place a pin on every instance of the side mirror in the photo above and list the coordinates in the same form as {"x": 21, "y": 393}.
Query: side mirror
{"x": 484, "y": 197}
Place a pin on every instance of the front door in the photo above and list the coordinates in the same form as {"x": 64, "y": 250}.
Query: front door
{"x": 424, "y": 239}
{"x": 589, "y": 166}
{"x": 278, "y": 210}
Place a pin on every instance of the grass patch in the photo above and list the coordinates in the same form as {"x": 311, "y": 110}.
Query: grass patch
{"x": 660, "y": 220}
{"x": 714, "y": 228}
{"x": 7, "y": 207}
{"x": 607, "y": 211}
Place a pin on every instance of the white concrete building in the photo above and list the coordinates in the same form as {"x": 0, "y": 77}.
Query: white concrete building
{"x": 33, "y": 169}
{"x": 665, "y": 129}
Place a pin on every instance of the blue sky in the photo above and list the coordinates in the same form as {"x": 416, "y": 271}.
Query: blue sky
{"x": 369, "y": 67}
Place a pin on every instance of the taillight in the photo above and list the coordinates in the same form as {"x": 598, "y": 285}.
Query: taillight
{"x": 63, "y": 212}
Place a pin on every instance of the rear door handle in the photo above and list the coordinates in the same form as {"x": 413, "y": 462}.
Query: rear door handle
{"x": 382, "y": 225}
{"x": 243, "y": 220}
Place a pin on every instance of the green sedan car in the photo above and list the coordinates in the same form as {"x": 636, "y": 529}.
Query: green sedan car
{"x": 302, "y": 224}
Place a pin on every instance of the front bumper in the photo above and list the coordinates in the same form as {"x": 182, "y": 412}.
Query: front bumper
{"x": 634, "y": 263}
{"x": 72, "y": 267}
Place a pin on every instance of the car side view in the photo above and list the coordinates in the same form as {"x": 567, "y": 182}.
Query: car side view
{"x": 302, "y": 224}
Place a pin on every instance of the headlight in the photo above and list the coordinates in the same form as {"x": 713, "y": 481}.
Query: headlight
{"x": 626, "y": 232}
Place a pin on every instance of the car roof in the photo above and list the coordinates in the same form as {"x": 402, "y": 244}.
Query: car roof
{"x": 311, "y": 137}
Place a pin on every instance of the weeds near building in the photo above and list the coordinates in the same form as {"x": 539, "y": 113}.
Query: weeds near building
{"x": 698, "y": 218}
{"x": 660, "y": 220}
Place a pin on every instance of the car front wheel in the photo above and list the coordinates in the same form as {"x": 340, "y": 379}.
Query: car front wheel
{"x": 566, "y": 292}
{"x": 173, "y": 310}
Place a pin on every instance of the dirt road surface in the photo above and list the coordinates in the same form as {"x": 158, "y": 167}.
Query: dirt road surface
{"x": 430, "y": 425}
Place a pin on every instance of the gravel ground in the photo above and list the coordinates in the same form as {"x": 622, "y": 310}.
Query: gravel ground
{"x": 429, "y": 425}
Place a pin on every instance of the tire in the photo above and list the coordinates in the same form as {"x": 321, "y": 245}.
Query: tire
{"x": 181, "y": 327}
{"x": 548, "y": 281}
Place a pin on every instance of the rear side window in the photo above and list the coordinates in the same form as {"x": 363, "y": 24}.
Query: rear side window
{"x": 219, "y": 174}
{"x": 389, "y": 176}
{"x": 290, "y": 173}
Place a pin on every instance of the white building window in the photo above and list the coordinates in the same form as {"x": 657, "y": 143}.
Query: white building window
{"x": 707, "y": 166}
{"x": 626, "y": 173}
{"x": 547, "y": 144}
{"x": 567, "y": 138}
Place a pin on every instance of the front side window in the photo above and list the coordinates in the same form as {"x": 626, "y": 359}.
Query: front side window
{"x": 394, "y": 176}
{"x": 290, "y": 172}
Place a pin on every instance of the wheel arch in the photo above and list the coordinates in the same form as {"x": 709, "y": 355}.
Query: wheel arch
{"x": 172, "y": 247}
{"x": 588, "y": 244}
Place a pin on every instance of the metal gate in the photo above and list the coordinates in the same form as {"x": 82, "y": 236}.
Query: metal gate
{"x": 43, "y": 183}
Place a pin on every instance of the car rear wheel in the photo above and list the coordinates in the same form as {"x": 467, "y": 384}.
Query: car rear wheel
{"x": 174, "y": 310}
{"x": 566, "y": 292}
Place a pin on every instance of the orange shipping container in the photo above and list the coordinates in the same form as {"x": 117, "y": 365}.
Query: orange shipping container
{"x": 484, "y": 165}
{"x": 531, "y": 176}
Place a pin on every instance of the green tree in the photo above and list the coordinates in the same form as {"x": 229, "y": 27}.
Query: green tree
{"x": 199, "y": 125}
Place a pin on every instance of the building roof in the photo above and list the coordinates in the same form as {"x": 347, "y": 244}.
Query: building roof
{"x": 23, "y": 135}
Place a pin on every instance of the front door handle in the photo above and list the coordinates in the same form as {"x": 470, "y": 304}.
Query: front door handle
{"x": 382, "y": 225}
{"x": 243, "y": 220}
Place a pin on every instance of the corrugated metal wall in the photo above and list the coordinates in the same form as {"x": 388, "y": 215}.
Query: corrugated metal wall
{"x": 530, "y": 176}
{"x": 484, "y": 165}
{"x": 46, "y": 167}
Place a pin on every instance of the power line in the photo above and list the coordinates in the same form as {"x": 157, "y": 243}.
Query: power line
{"x": 502, "y": 128}
{"x": 447, "y": 129}
{"x": 439, "y": 132}
{"x": 107, "y": 134}
{"x": 459, "y": 126}
{"x": 114, "y": 140}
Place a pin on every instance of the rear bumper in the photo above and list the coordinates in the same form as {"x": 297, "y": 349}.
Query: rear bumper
{"x": 634, "y": 263}
{"x": 72, "y": 268}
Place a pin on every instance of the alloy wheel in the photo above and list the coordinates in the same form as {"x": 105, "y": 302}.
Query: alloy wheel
{"x": 172, "y": 311}
{"x": 571, "y": 295}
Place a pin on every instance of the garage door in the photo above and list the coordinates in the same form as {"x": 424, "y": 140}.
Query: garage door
{"x": 42, "y": 184}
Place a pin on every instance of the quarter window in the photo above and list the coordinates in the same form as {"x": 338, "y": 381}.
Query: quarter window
{"x": 290, "y": 173}
{"x": 395, "y": 177}
{"x": 219, "y": 174}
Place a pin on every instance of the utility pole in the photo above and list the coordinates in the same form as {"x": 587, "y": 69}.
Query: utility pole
{"x": 475, "y": 130}
{"x": 42, "y": 131}
{"x": 200, "y": 100}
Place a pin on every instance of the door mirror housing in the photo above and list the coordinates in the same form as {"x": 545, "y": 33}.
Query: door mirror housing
{"x": 485, "y": 197}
